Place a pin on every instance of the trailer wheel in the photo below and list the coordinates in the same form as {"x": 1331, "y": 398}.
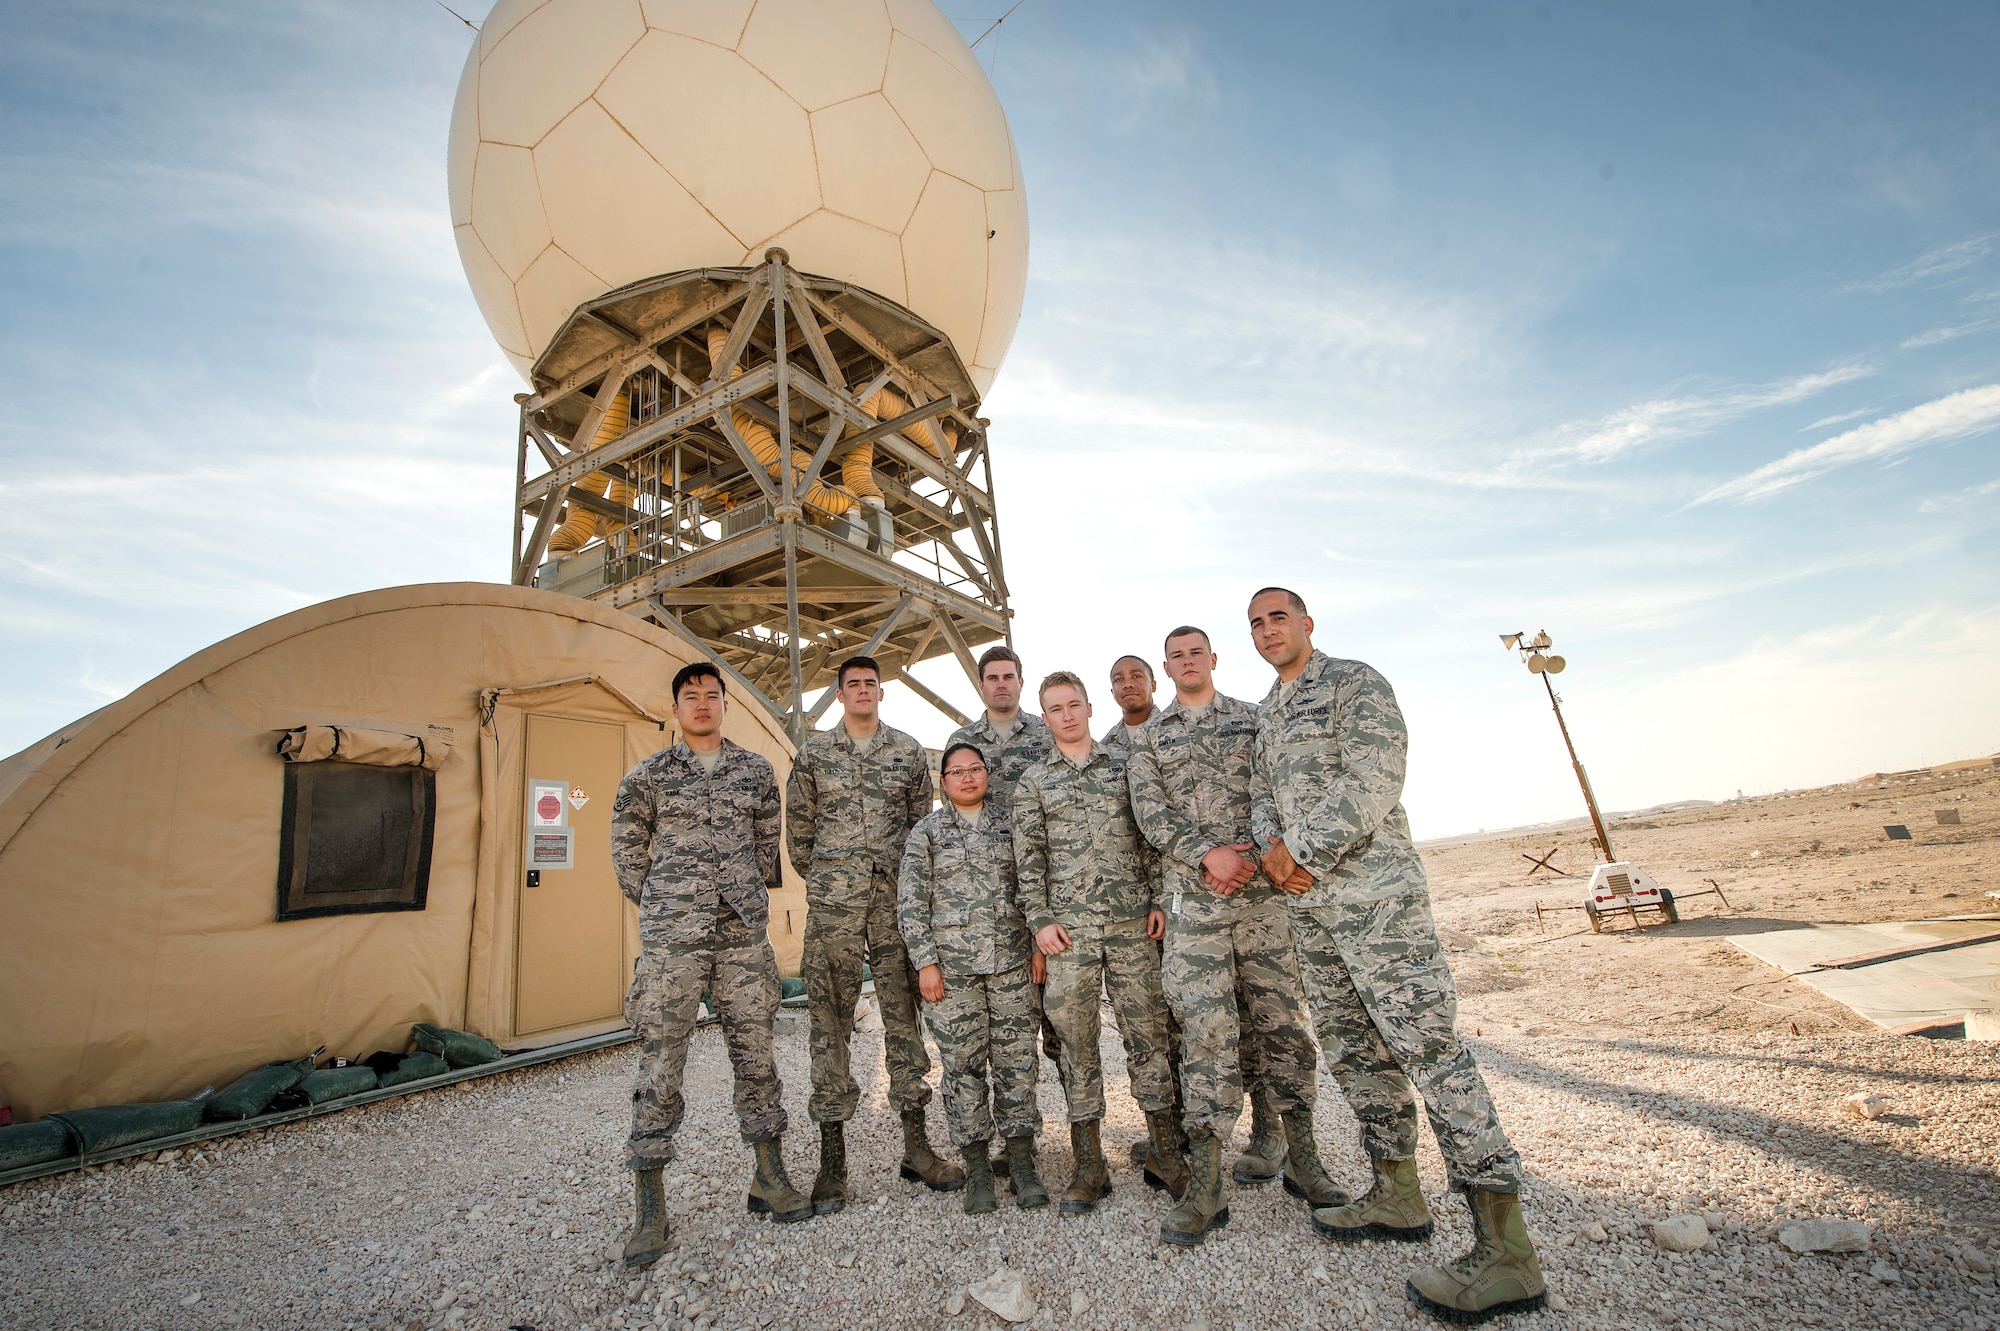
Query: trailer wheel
{"x": 1596, "y": 921}
{"x": 1667, "y": 906}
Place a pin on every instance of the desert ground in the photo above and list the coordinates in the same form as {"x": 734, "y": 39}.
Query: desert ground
{"x": 1642, "y": 1076}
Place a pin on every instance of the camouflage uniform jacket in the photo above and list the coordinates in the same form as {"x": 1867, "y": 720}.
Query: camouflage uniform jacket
{"x": 958, "y": 903}
{"x": 1191, "y": 775}
{"x": 684, "y": 839}
{"x": 1006, "y": 758}
{"x": 1330, "y": 760}
{"x": 1121, "y": 738}
{"x": 1076, "y": 845}
{"x": 849, "y": 809}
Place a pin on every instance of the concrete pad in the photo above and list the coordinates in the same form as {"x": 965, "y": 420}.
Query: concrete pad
{"x": 1934, "y": 986}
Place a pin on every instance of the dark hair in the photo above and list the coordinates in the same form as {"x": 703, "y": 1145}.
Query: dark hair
{"x": 699, "y": 670}
{"x": 1001, "y": 652}
{"x": 855, "y": 663}
{"x": 1060, "y": 679}
{"x": 1190, "y": 631}
{"x": 1298, "y": 602}
{"x": 1144, "y": 664}
{"x": 973, "y": 749}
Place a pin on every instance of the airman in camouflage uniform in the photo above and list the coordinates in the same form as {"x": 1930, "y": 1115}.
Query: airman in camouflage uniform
{"x": 1163, "y": 1163}
{"x": 694, "y": 845}
{"x": 1230, "y": 972}
{"x": 1096, "y": 916}
{"x": 1012, "y": 741}
{"x": 850, "y": 804}
{"x": 1331, "y": 753}
{"x": 959, "y": 908}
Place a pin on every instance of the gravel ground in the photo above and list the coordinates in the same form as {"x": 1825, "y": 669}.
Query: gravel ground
{"x": 1636, "y": 1081}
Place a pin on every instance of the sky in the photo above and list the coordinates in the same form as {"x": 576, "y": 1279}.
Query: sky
{"x": 1672, "y": 329}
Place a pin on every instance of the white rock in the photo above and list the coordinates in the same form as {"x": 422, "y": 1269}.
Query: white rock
{"x": 954, "y": 1303}
{"x": 1681, "y": 1233}
{"x": 1715, "y": 1221}
{"x": 1978, "y": 1261}
{"x": 1594, "y": 1233}
{"x": 1557, "y": 1303}
{"x": 1824, "y": 1235}
{"x": 1885, "y": 1273}
{"x": 1078, "y": 1304}
{"x": 191, "y": 1300}
{"x": 1005, "y": 1294}
{"x": 1864, "y": 1105}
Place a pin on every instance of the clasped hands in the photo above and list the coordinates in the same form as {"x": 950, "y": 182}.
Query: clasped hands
{"x": 1226, "y": 869}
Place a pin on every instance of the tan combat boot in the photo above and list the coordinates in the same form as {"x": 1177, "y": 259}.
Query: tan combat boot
{"x": 830, "y": 1187}
{"x": 770, "y": 1190}
{"x": 920, "y": 1163}
{"x": 1202, "y": 1206}
{"x": 1500, "y": 1275}
{"x": 979, "y": 1198}
{"x": 1264, "y": 1155}
{"x": 1166, "y": 1164}
{"x": 1022, "y": 1180}
{"x": 1305, "y": 1176}
{"x": 1092, "y": 1181}
{"x": 1393, "y": 1209}
{"x": 649, "y": 1226}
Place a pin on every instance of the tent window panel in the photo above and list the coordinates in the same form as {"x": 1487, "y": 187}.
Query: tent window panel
{"x": 355, "y": 838}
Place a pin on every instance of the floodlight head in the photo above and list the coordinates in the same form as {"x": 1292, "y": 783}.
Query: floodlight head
{"x": 1510, "y": 639}
{"x": 1540, "y": 640}
{"x": 1537, "y": 664}
{"x": 1556, "y": 664}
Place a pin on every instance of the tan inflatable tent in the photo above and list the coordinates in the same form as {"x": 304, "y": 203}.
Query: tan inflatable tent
{"x": 179, "y": 902}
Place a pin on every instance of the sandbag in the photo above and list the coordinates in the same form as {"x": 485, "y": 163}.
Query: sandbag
{"x": 25, "y": 1144}
{"x": 461, "y": 1049}
{"x": 108, "y": 1127}
{"x": 332, "y": 1083}
{"x": 395, "y": 1069}
{"x": 251, "y": 1094}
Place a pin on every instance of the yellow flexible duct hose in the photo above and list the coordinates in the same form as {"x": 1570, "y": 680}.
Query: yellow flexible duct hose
{"x": 764, "y": 445}
{"x": 582, "y": 524}
{"x": 857, "y": 473}
{"x": 889, "y": 403}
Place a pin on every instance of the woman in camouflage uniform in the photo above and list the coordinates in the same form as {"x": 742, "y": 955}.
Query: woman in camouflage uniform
{"x": 960, "y": 915}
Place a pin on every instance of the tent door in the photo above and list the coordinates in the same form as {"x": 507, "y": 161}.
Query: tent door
{"x": 569, "y": 956}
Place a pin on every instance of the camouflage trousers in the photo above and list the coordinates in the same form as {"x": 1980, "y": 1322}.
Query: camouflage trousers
{"x": 1121, "y": 959}
{"x": 985, "y": 1032}
{"x": 1387, "y": 1011}
{"x": 735, "y": 966}
{"x": 837, "y": 941}
{"x": 1233, "y": 983}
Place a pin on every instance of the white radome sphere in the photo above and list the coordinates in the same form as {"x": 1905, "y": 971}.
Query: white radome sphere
{"x": 596, "y": 143}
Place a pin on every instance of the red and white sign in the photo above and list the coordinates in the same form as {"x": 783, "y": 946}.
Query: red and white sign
{"x": 545, "y": 804}
{"x": 577, "y": 799}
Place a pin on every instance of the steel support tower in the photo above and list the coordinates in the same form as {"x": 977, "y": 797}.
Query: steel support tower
{"x": 650, "y": 478}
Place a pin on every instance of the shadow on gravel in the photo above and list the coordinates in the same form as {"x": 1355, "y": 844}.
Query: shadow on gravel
{"x": 1916, "y": 1178}
{"x": 1721, "y": 926}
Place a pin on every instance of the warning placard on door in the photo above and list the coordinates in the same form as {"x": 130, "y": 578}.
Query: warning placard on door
{"x": 545, "y": 804}
{"x": 577, "y": 799}
{"x": 552, "y": 848}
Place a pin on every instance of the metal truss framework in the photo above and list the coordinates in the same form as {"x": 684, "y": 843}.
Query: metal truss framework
{"x": 777, "y": 572}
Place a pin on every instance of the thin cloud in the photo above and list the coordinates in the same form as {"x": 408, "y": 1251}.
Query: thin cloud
{"x": 1646, "y": 424}
{"x": 1970, "y": 494}
{"x": 1959, "y": 416}
{"x": 1938, "y": 263}
{"x": 1937, "y": 335}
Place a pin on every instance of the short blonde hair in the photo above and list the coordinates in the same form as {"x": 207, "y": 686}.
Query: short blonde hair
{"x": 1061, "y": 677}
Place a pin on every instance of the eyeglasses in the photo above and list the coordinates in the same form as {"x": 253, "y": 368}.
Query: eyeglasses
{"x": 963, "y": 771}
